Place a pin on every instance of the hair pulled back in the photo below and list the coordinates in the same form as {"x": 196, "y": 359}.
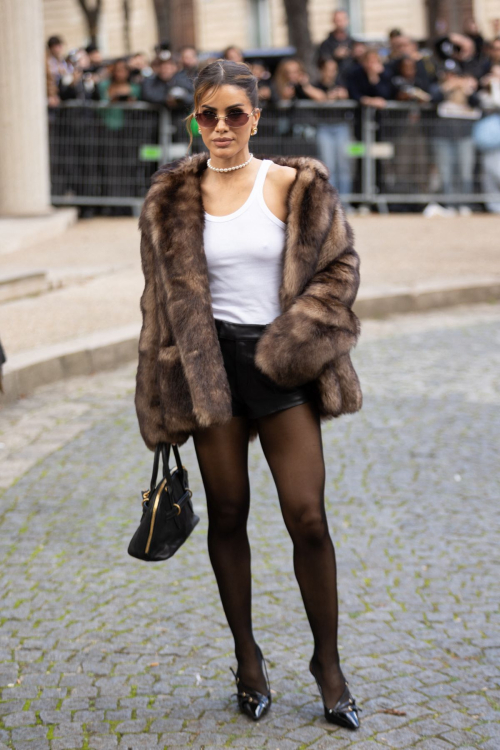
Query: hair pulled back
{"x": 222, "y": 73}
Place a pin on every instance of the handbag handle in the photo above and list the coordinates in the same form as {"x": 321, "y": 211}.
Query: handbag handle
{"x": 164, "y": 450}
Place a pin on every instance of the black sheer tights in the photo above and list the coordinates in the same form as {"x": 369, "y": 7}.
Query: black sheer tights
{"x": 291, "y": 441}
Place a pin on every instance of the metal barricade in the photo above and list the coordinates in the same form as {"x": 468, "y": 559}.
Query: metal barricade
{"x": 421, "y": 156}
{"x": 105, "y": 154}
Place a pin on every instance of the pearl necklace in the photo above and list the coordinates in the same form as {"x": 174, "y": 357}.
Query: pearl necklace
{"x": 228, "y": 169}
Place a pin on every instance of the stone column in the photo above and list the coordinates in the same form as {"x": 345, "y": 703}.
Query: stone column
{"x": 24, "y": 159}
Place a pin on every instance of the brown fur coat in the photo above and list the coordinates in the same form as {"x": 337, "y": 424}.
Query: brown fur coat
{"x": 181, "y": 381}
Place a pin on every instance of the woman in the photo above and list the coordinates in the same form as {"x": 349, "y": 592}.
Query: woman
{"x": 246, "y": 330}
{"x": 334, "y": 136}
{"x": 118, "y": 142}
{"x": 454, "y": 150}
{"x": 118, "y": 87}
{"x": 290, "y": 81}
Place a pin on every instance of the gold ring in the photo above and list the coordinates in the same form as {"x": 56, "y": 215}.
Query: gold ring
{"x": 179, "y": 507}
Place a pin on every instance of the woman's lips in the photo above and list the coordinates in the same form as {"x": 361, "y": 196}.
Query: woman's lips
{"x": 223, "y": 143}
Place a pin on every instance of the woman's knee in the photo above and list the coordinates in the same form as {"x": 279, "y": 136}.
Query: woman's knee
{"x": 308, "y": 526}
{"x": 228, "y": 514}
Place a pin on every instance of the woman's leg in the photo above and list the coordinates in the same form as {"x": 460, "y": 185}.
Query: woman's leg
{"x": 291, "y": 441}
{"x": 222, "y": 453}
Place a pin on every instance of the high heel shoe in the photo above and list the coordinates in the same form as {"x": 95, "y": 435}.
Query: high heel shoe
{"x": 250, "y": 701}
{"x": 345, "y": 711}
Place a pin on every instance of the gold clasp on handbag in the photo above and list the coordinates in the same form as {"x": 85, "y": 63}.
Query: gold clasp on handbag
{"x": 145, "y": 496}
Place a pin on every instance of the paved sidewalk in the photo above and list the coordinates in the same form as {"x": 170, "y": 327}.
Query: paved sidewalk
{"x": 99, "y": 651}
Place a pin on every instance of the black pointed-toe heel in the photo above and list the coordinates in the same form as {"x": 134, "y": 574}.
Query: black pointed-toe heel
{"x": 345, "y": 711}
{"x": 250, "y": 701}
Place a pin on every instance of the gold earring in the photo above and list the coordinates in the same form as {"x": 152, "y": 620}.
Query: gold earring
{"x": 254, "y": 131}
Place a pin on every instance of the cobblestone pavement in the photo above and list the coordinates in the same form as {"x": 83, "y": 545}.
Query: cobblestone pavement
{"x": 98, "y": 650}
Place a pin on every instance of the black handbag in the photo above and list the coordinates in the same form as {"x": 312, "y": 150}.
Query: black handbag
{"x": 168, "y": 517}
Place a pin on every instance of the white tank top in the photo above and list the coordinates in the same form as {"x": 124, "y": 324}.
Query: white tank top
{"x": 244, "y": 253}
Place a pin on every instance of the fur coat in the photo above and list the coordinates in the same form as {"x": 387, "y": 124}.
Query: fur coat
{"x": 181, "y": 381}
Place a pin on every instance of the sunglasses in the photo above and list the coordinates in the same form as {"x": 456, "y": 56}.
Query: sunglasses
{"x": 232, "y": 120}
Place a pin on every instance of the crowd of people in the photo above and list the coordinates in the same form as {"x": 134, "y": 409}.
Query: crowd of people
{"x": 460, "y": 74}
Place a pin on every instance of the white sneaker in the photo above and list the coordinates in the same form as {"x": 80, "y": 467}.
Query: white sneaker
{"x": 435, "y": 209}
{"x": 364, "y": 210}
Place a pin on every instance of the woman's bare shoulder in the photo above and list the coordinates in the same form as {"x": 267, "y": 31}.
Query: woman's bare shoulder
{"x": 281, "y": 175}
{"x": 276, "y": 189}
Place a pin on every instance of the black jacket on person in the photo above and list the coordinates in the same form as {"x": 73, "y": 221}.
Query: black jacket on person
{"x": 155, "y": 90}
{"x": 85, "y": 91}
{"x": 358, "y": 84}
{"x": 327, "y": 49}
{"x": 421, "y": 80}
{"x": 183, "y": 79}
{"x": 422, "y": 77}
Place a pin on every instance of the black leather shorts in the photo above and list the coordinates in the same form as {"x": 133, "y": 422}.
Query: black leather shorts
{"x": 253, "y": 393}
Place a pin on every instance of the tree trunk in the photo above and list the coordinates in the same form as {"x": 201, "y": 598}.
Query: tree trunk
{"x": 126, "y": 26}
{"x": 92, "y": 17}
{"x": 433, "y": 11}
{"x": 299, "y": 34}
{"x": 182, "y": 27}
{"x": 162, "y": 10}
{"x": 444, "y": 16}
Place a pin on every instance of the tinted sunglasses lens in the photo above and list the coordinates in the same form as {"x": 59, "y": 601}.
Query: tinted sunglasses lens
{"x": 237, "y": 119}
{"x": 206, "y": 120}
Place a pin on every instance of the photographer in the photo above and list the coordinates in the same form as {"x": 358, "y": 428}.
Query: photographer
{"x": 461, "y": 50}
{"x": 183, "y": 81}
{"x": 81, "y": 82}
{"x": 453, "y": 145}
{"x": 156, "y": 89}
{"x": 410, "y": 84}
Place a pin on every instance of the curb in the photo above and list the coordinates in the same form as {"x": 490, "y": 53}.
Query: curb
{"x": 378, "y": 303}
{"x": 19, "y": 233}
{"x": 108, "y": 349}
{"x": 104, "y": 350}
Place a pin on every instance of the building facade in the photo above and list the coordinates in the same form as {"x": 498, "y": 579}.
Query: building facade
{"x": 257, "y": 23}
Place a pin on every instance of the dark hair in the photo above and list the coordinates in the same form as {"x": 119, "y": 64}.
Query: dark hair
{"x": 324, "y": 60}
{"x": 369, "y": 52}
{"x": 222, "y": 73}
{"x": 232, "y": 46}
{"x": 394, "y": 33}
{"x": 91, "y": 48}
{"x": 114, "y": 65}
{"x": 54, "y": 41}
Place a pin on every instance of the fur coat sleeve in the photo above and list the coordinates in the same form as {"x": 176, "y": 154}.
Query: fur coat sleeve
{"x": 318, "y": 327}
{"x": 147, "y": 398}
